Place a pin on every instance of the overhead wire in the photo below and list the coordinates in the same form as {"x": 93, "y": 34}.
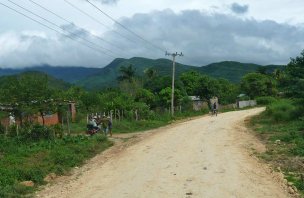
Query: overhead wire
{"x": 64, "y": 19}
{"x": 124, "y": 27}
{"x": 72, "y": 33}
{"x": 97, "y": 21}
{"x": 72, "y": 38}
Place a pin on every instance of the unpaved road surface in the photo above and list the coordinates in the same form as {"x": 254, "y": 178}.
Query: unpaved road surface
{"x": 208, "y": 157}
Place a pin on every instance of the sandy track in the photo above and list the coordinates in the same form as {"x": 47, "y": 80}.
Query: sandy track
{"x": 206, "y": 158}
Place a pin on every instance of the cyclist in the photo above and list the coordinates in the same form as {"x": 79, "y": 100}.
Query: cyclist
{"x": 214, "y": 109}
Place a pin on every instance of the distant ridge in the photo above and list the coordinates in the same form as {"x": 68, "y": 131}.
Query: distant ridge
{"x": 97, "y": 78}
{"x": 66, "y": 73}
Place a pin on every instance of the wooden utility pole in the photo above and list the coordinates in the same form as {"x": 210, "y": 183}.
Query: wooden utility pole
{"x": 173, "y": 78}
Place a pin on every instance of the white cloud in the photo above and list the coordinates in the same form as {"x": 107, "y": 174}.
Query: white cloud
{"x": 203, "y": 38}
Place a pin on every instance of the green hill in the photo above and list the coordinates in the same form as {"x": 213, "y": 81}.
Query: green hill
{"x": 53, "y": 82}
{"x": 107, "y": 77}
{"x": 230, "y": 70}
{"x": 97, "y": 78}
{"x": 233, "y": 71}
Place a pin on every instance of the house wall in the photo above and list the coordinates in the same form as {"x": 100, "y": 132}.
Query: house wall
{"x": 199, "y": 105}
{"x": 72, "y": 110}
{"x": 48, "y": 119}
{"x": 248, "y": 103}
{"x": 5, "y": 122}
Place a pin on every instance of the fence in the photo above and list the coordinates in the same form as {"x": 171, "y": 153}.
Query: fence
{"x": 248, "y": 103}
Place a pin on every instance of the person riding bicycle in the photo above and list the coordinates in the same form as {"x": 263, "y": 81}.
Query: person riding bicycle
{"x": 214, "y": 108}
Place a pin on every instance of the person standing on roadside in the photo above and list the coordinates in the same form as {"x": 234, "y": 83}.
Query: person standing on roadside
{"x": 110, "y": 126}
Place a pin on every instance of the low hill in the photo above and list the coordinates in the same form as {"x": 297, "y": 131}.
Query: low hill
{"x": 68, "y": 74}
{"x": 230, "y": 70}
{"x": 53, "y": 82}
{"x": 234, "y": 71}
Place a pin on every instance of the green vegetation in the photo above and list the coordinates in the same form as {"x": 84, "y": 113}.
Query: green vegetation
{"x": 285, "y": 145}
{"x": 127, "y": 126}
{"x": 229, "y": 70}
{"x": 34, "y": 160}
{"x": 136, "y": 92}
{"x": 281, "y": 126}
{"x": 265, "y": 100}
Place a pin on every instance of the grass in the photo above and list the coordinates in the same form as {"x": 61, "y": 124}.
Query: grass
{"x": 32, "y": 161}
{"x": 285, "y": 144}
{"x": 131, "y": 125}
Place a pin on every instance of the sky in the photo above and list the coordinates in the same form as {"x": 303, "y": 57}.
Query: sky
{"x": 75, "y": 33}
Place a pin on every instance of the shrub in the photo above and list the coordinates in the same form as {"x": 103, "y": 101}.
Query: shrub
{"x": 265, "y": 100}
{"x": 2, "y": 129}
{"x": 282, "y": 110}
{"x": 37, "y": 132}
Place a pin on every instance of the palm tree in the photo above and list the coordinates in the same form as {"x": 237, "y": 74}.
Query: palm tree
{"x": 127, "y": 73}
{"x": 150, "y": 73}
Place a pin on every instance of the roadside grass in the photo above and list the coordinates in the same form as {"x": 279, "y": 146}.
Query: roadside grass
{"x": 285, "y": 144}
{"x": 131, "y": 125}
{"x": 33, "y": 161}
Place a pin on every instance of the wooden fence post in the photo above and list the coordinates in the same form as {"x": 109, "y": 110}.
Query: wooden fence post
{"x": 17, "y": 130}
{"x": 136, "y": 115}
{"x": 68, "y": 124}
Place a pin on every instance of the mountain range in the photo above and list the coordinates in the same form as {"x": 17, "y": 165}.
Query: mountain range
{"x": 97, "y": 78}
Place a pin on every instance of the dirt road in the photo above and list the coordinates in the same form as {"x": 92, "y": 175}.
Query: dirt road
{"x": 208, "y": 157}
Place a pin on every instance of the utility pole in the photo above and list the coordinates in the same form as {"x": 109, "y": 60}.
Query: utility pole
{"x": 173, "y": 78}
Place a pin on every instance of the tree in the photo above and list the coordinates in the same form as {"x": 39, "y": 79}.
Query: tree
{"x": 256, "y": 84}
{"x": 207, "y": 88}
{"x": 165, "y": 96}
{"x": 293, "y": 79}
{"x": 91, "y": 101}
{"x": 145, "y": 96}
{"x": 28, "y": 94}
{"x": 227, "y": 92}
{"x": 127, "y": 73}
{"x": 190, "y": 80}
{"x": 150, "y": 73}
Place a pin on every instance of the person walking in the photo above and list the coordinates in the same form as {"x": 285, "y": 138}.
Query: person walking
{"x": 110, "y": 126}
{"x": 104, "y": 125}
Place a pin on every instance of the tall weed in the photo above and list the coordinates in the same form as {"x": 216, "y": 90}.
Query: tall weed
{"x": 282, "y": 110}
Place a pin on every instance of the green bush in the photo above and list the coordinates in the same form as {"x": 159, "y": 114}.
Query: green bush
{"x": 38, "y": 132}
{"x": 32, "y": 160}
{"x": 282, "y": 110}
{"x": 2, "y": 129}
{"x": 265, "y": 100}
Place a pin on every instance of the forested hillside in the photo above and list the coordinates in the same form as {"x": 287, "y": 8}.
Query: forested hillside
{"x": 98, "y": 78}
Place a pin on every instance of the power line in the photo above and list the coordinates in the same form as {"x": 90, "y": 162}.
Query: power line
{"x": 72, "y": 33}
{"x": 124, "y": 27}
{"x": 62, "y": 18}
{"x": 97, "y": 21}
{"x": 93, "y": 48}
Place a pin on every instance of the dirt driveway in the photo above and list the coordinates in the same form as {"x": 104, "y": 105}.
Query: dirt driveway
{"x": 208, "y": 157}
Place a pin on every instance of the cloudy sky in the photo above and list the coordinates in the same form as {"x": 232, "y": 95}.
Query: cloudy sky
{"x": 262, "y": 32}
